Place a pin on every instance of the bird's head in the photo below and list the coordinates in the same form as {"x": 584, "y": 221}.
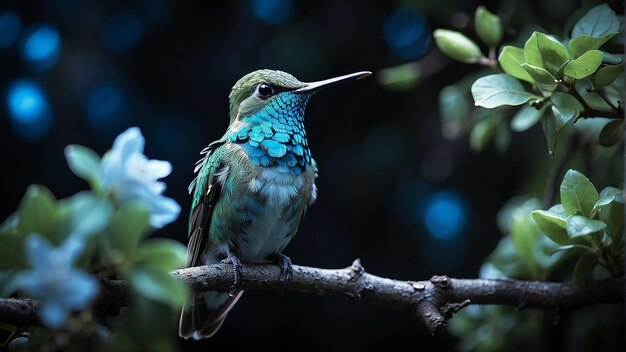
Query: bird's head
{"x": 256, "y": 90}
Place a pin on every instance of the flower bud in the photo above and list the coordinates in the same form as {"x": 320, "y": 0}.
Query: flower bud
{"x": 488, "y": 27}
{"x": 457, "y": 46}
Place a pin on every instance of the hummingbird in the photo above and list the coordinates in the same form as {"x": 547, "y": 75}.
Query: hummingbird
{"x": 252, "y": 188}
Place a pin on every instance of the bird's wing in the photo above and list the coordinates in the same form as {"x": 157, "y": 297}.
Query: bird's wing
{"x": 204, "y": 314}
{"x": 206, "y": 191}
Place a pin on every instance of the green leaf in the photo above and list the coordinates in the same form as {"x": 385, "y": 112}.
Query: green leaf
{"x": 546, "y": 52}
{"x": 558, "y": 208}
{"x": 553, "y": 225}
{"x": 488, "y": 27}
{"x": 573, "y": 246}
{"x": 581, "y": 226}
{"x": 457, "y": 46}
{"x": 526, "y": 117}
{"x": 499, "y": 89}
{"x": 37, "y": 212}
{"x": 129, "y": 225}
{"x": 540, "y": 75}
{"x": 482, "y": 133}
{"x": 584, "y": 266}
{"x": 9, "y": 225}
{"x": 159, "y": 286}
{"x": 511, "y": 59}
{"x": 524, "y": 235}
{"x": 400, "y": 77}
{"x": 454, "y": 106}
{"x": 565, "y": 100}
{"x": 86, "y": 214}
{"x": 161, "y": 254}
{"x": 611, "y": 133}
{"x": 578, "y": 195}
{"x": 549, "y": 131}
{"x": 610, "y": 194}
{"x": 565, "y": 108}
{"x": 607, "y": 196}
{"x": 562, "y": 116}
{"x": 585, "y": 65}
{"x": 612, "y": 59}
{"x": 608, "y": 74}
{"x": 584, "y": 88}
{"x": 612, "y": 215}
{"x": 84, "y": 163}
{"x": 505, "y": 259}
{"x": 599, "y": 21}
{"x": 12, "y": 254}
{"x": 584, "y": 43}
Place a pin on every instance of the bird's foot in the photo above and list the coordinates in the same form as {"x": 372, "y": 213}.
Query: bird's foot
{"x": 232, "y": 259}
{"x": 286, "y": 269}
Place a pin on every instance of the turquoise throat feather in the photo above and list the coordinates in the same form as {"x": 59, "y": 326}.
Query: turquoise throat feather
{"x": 275, "y": 135}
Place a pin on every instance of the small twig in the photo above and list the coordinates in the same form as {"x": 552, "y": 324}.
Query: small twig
{"x": 491, "y": 61}
{"x": 588, "y": 111}
{"x": 432, "y": 300}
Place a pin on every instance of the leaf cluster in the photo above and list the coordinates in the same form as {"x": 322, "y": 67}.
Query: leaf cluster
{"x": 117, "y": 246}
{"x": 551, "y": 80}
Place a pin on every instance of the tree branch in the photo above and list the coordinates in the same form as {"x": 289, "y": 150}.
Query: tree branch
{"x": 588, "y": 111}
{"x": 433, "y": 301}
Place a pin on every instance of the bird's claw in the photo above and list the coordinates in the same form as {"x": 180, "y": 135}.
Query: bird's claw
{"x": 286, "y": 269}
{"x": 232, "y": 259}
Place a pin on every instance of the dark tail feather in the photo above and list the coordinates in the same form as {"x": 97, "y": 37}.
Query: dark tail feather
{"x": 202, "y": 317}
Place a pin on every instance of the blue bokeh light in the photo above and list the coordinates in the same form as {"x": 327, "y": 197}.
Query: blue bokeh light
{"x": 29, "y": 110}
{"x": 445, "y": 215}
{"x": 107, "y": 110}
{"x": 407, "y": 33}
{"x": 272, "y": 11}
{"x": 41, "y": 46}
{"x": 10, "y": 27}
{"x": 122, "y": 32}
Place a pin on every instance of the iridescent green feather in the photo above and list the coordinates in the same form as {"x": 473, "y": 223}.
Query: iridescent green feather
{"x": 207, "y": 166}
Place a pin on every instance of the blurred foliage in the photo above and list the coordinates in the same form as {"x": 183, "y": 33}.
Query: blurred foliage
{"x": 57, "y": 250}
{"x": 554, "y": 81}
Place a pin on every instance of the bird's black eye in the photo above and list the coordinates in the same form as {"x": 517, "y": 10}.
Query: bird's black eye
{"x": 264, "y": 90}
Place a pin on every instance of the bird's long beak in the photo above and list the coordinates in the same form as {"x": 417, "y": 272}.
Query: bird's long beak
{"x": 313, "y": 87}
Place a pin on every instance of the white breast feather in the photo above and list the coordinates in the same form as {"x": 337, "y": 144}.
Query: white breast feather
{"x": 276, "y": 185}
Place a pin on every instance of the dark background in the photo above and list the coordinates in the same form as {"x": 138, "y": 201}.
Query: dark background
{"x": 387, "y": 177}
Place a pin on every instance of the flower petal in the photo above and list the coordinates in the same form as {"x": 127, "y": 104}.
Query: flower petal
{"x": 37, "y": 249}
{"x": 129, "y": 176}
{"x": 53, "y": 314}
{"x": 31, "y": 283}
{"x": 164, "y": 210}
{"x": 72, "y": 248}
{"x": 158, "y": 168}
{"x": 114, "y": 161}
{"x": 110, "y": 170}
{"x": 147, "y": 171}
{"x": 80, "y": 290}
{"x": 129, "y": 142}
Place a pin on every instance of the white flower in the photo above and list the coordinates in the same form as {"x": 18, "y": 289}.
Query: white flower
{"x": 54, "y": 281}
{"x": 129, "y": 176}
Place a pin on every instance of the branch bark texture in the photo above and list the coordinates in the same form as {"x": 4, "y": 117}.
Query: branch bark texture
{"x": 433, "y": 301}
